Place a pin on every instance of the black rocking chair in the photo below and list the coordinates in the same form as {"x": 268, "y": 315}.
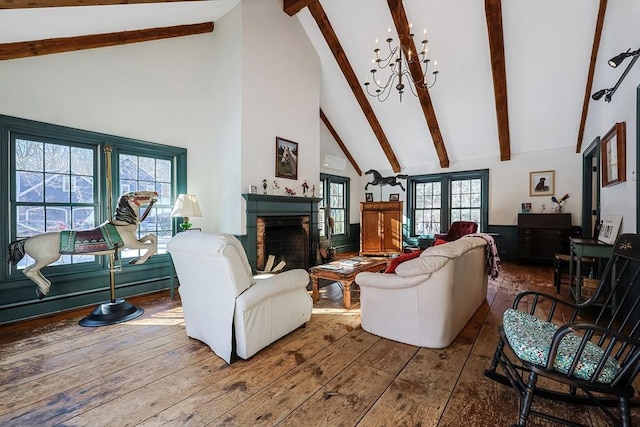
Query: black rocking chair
{"x": 600, "y": 359}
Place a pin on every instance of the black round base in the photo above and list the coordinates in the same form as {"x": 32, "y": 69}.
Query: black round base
{"x": 109, "y": 313}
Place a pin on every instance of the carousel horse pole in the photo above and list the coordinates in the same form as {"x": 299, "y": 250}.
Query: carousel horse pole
{"x": 112, "y": 255}
{"x": 117, "y": 310}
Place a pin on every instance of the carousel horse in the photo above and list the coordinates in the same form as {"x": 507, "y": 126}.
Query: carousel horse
{"x": 387, "y": 180}
{"x": 110, "y": 237}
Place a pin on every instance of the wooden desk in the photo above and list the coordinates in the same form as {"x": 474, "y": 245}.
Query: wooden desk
{"x": 584, "y": 248}
{"x": 346, "y": 276}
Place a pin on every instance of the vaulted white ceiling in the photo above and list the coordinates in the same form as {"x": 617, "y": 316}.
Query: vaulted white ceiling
{"x": 547, "y": 53}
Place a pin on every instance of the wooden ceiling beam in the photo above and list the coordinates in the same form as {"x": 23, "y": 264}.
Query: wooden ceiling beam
{"x": 592, "y": 68}
{"x": 335, "y": 135}
{"x": 68, "y": 44}
{"x": 493, "y": 13}
{"x": 324, "y": 25}
{"x": 402, "y": 28}
{"x": 26, "y": 4}
{"x": 291, "y": 7}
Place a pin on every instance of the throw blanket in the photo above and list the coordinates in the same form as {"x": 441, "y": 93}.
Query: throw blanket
{"x": 103, "y": 238}
{"x": 493, "y": 258}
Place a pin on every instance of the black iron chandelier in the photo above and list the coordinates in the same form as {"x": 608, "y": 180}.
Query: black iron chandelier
{"x": 614, "y": 62}
{"x": 397, "y": 61}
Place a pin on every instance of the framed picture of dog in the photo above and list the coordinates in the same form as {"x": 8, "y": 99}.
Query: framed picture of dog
{"x": 286, "y": 158}
{"x": 542, "y": 183}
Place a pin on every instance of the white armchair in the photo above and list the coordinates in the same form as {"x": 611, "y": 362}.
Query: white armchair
{"x": 220, "y": 296}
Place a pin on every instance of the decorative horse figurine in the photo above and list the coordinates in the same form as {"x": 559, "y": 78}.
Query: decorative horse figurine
{"x": 380, "y": 180}
{"x": 111, "y": 236}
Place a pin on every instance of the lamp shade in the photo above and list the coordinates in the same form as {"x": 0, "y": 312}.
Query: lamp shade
{"x": 186, "y": 206}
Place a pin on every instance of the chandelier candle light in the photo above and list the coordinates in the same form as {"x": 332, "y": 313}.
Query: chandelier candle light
{"x": 186, "y": 206}
{"x": 397, "y": 61}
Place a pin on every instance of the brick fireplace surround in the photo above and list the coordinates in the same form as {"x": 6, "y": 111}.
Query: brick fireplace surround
{"x": 291, "y": 211}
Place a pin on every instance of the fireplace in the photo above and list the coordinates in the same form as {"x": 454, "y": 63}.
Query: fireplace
{"x": 285, "y": 238}
{"x": 283, "y": 226}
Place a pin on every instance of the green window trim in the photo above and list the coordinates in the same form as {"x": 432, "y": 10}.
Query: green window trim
{"x": 326, "y": 180}
{"x": 12, "y": 127}
{"x": 445, "y": 180}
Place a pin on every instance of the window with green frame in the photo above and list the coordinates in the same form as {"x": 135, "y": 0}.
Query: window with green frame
{"x": 435, "y": 201}
{"x": 334, "y": 192}
{"x": 56, "y": 181}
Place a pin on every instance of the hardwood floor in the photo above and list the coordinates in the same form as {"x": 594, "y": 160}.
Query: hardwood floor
{"x": 147, "y": 372}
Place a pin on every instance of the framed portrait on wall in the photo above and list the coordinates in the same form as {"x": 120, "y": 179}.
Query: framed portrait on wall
{"x": 286, "y": 158}
{"x": 613, "y": 149}
{"x": 368, "y": 197}
{"x": 542, "y": 183}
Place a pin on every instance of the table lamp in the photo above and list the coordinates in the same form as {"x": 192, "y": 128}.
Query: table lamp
{"x": 186, "y": 206}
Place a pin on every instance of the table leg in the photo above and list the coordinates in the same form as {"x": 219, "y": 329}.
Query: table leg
{"x": 572, "y": 255}
{"x": 346, "y": 293}
{"x": 315, "y": 293}
{"x": 578, "y": 279}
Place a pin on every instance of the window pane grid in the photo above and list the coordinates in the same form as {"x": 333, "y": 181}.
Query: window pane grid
{"x": 337, "y": 204}
{"x": 466, "y": 201}
{"x": 139, "y": 173}
{"x": 428, "y": 205}
{"x": 54, "y": 191}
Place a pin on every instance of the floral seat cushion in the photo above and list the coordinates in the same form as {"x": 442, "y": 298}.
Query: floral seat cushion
{"x": 530, "y": 338}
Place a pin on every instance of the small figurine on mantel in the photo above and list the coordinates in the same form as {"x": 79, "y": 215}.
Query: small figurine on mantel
{"x": 276, "y": 187}
{"x": 305, "y": 187}
{"x": 313, "y": 190}
{"x": 289, "y": 191}
{"x": 264, "y": 186}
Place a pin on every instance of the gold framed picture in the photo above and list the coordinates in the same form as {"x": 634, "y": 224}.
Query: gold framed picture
{"x": 613, "y": 152}
{"x": 542, "y": 183}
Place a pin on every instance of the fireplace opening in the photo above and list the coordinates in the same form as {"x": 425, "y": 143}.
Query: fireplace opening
{"x": 286, "y": 238}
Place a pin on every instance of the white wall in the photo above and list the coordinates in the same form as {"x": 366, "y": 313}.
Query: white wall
{"x": 330, "y": 146}
{"x": 151, "y": 91}
{"x": 280, "y": 97}
{"x": 509, "y": 182}
{"x": 619, "y": 199}
{"x": 219, "y": 166}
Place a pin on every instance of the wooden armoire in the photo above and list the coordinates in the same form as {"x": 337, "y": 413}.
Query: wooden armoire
{"x": 380, "y": 228}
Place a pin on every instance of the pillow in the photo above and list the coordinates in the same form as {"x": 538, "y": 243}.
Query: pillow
{"x": 440, "y": 242}
{"x": 395, "y": 262}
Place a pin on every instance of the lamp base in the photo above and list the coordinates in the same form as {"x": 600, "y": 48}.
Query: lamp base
{"x": 109, "y": 313}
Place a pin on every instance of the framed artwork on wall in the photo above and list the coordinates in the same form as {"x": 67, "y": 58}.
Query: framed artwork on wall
{"x": 609, "y": 227}
{"x": 613, "y": 149}
{"x": 286, "y": 158}
{"x": 542, "y": 183}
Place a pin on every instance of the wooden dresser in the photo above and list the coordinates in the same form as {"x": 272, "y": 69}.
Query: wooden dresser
{"x": 380, "y": 228}
{"x": 541, "y": 236}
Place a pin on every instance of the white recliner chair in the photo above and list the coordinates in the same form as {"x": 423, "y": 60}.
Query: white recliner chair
{"x": 221, "y": 299}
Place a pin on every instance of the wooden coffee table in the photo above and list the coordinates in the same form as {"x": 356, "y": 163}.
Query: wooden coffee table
{"x": 343, "y": 274}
